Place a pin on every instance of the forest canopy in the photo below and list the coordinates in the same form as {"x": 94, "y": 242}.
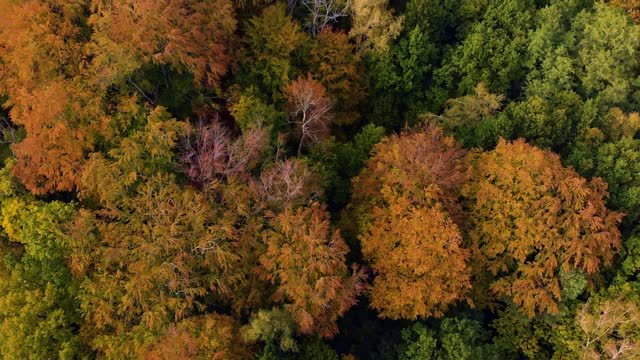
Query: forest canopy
{"x": 320, "y": 179}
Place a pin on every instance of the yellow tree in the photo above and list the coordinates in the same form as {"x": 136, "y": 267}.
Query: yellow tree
{"x": 405, "y": 202}
{"x": 531, "y": 218}
{"x": 374, "y": 25}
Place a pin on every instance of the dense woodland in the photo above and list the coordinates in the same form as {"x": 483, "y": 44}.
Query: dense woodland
{"x": 320, "y": 179}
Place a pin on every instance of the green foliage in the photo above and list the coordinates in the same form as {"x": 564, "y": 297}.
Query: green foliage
{"x": 274, "y": 45}
{"x": 399, "y": 78}
{"x": 418, "y": 343}
{"x": 492, "y": 52}
{"x": 39, "y": 314}
{"x": 338, "y": 163}
{"x": 456, "y": 339}
{"x": 630, "y": 267}
{"x": 274, "y": 327}
{"x": 249, "y": 110}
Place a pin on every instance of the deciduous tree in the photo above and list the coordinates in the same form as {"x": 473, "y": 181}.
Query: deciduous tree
{"x": 189, "y": 35}
{"x": 404, "y": 201}
{"x": 374, "y": 25}
{"x": 334, "y": 64}
{"x": 310, "y": 110}
{"x": 272, "y": 41}
{"x": 305, "y": 261}
{"x": 530, "y": 218}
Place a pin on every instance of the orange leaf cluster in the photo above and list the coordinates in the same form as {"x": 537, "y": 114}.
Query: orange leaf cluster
{"x": 306, "y": 262}
{"x": 531, "y": 218}
{"x": 404, "y": 199}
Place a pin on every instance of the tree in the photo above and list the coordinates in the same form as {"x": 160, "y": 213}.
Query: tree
{"x": 39, "y": 311}
{"x": 57, "y": 119}
{"x": 454, "y": 339}
{"x": 471, "y": 109}
{"x": 109, "y": 180}
{"x": 211, "y": 336}
{"x": 310, "y": 110}
{"x": 473, "y": 118}
{"x": 606, "y": 327}
{"x": 374, "y": 26}
{"x": 287, "y": 184}
{"x": 306, "y": 263}
{"x": 399, "y": 78}
{"x": 272, "y": 41}
{"x": 530, "y": 218}
{"x": 41, "y": 51}
{"x": 631, "y": 6}
{"x": 333, "y": 62}
{"x": 189, "y": 35}
{"x": 163, "y": 251}
{"x": 405, "y": 202}
{"x": 212, "y": 154}
{"x": 154, "y": 252}
{"x": 493, "y": 52}
{"x": 324, "y": 12}
{"x": 41, "y": 41}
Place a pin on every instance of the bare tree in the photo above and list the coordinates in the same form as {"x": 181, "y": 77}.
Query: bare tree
{"x": 287, "y": 184}
{"x": 608, "y": 329}
{"x": 324, "y": 12}
{"x": 8, "y": 133}
{"x": 211, "y": 152}
{"x": 310, "y": 109}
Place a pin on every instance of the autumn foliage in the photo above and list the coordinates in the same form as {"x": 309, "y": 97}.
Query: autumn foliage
{"x": 188, "y": 34}
{"x": 319, "y": 179}
{"x": 531, "y": 218}
{"x": 404, "y": 200}
{"x": 306, "y": 262}
{"x": 310, "y": 110}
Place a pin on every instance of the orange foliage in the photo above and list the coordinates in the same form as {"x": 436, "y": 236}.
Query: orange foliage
{"x": 530, "y": 218}
{"x": 160, "y": 252}
{"x": 306, "y": 262}
{"x": 631, "y": 6}
{"x": 58, "y": 138}
{"x": 187, "y": 34}
{"x": 403, "y": 200}
{"x": 408, "y": 164}
{"x": 417, "y": 255}
{"x": 334, "y": 62}
{"x": 41, "y": 49}
{"x": 39, "y": 41}
{"x": 211, "y": 337}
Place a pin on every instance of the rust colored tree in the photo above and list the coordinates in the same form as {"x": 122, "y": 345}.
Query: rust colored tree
{"x": 530, "y": 219}
{"x": 404, "y": 200}
{"x": 305, "y": 261}
{"x": 190, "y": 35}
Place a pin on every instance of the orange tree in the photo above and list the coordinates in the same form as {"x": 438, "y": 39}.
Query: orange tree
{"x": 405, "y": 201}
{"x": 530, "y": 219}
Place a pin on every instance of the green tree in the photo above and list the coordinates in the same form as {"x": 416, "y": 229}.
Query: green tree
{"x": 39, "y": 312}
{"x": 273, "y": 43}
{"x": 493, "y": 52}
